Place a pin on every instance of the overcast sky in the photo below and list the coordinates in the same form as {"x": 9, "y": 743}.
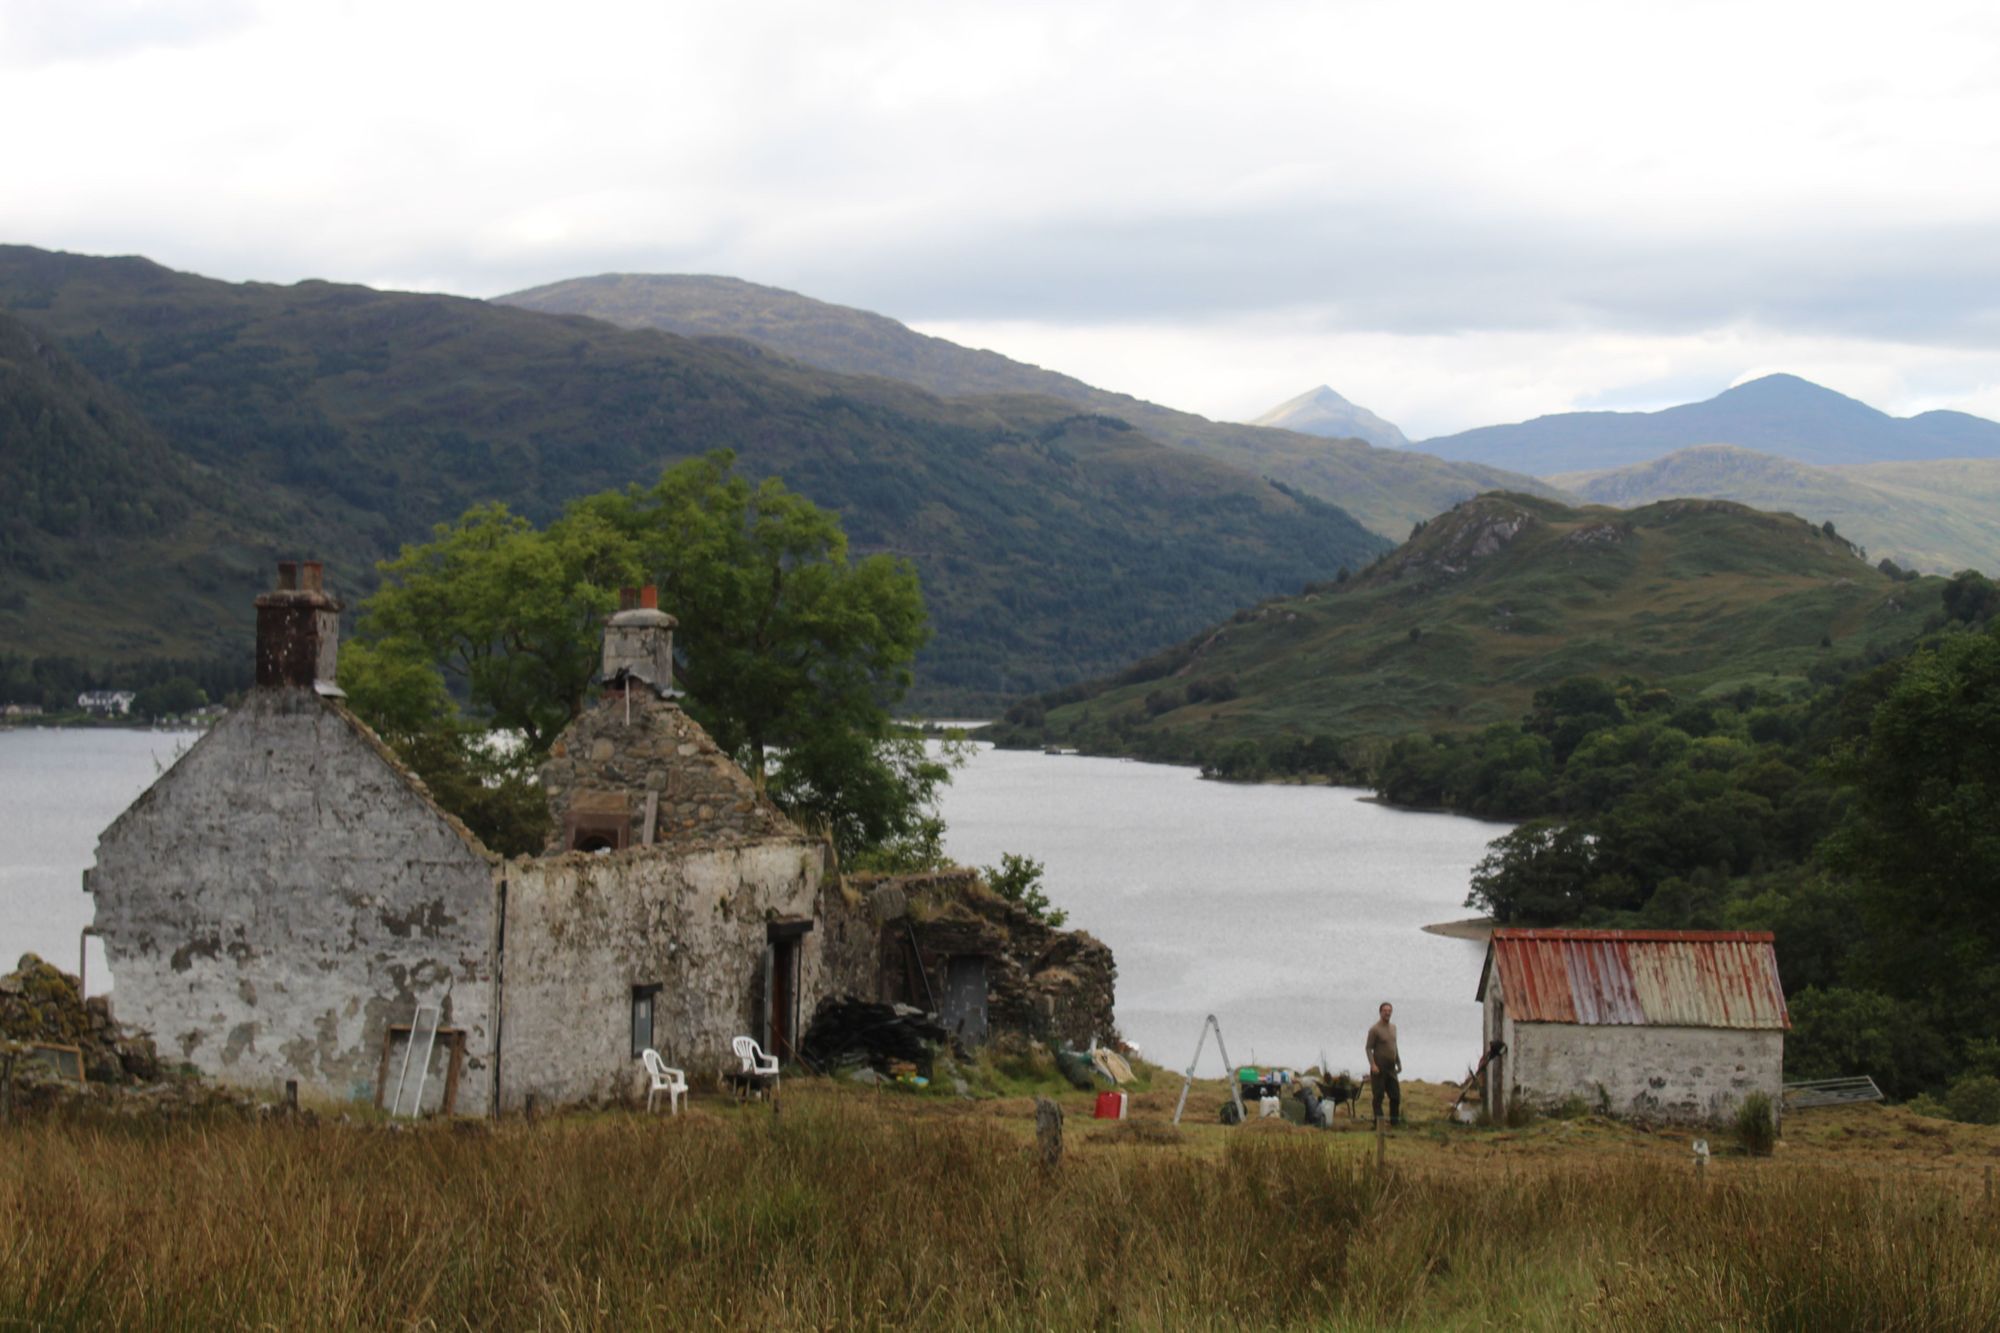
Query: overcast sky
{"x": 1454, "y": 214}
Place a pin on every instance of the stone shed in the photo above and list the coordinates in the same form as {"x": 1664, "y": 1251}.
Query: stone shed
{"x": 283, "y": 900}
{"x": 1675, "y": 1025}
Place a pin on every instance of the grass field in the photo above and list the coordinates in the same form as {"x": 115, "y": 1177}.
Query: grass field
{"x": 865, "y": 1209}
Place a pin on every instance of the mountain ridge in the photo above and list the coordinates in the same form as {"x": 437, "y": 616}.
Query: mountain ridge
{"x": 1389, "y": 490}
{"x": 1779, "y": 414}
{"x": 1934, "y": 515}
{"x": 1050, "y": 541}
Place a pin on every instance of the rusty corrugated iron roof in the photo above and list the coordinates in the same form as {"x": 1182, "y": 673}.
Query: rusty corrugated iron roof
{"x": 1659, "y": 978}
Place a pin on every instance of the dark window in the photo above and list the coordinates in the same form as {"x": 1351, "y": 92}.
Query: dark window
{"x": 643, "y": 998}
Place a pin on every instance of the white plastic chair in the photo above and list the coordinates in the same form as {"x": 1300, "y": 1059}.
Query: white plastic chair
{"x": 757, "y": 1066}
{"x": 665, "y": 1079}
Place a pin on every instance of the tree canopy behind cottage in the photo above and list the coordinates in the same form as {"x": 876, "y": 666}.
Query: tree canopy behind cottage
{"x": 793, "y": 654}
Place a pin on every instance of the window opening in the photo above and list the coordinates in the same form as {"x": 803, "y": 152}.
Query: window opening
{"x": 643, "y": 1004}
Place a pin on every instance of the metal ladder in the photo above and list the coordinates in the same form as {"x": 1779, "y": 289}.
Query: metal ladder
{"x": 1229, "y": 1071}
{"x": 428, "y": 1035}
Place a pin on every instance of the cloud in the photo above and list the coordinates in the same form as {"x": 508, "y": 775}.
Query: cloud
{"x": 55, "y": 31}
{"x": 1634, "y": 187}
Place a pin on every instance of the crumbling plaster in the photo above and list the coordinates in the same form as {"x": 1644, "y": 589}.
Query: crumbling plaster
{"x": 284, "y": 893}
{"x": 583, "y": 929}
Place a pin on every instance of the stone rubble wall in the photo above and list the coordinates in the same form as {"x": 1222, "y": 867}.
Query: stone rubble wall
{"x": 1048, "y": 984}
{"x": 634, "y": 743}
{"x": 285, "y": 893}
{"x": 40, "y": 1004}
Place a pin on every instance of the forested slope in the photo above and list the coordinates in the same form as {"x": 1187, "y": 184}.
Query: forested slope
{"x": 1052, "y": 543}
{"x": 1491, "y": 601}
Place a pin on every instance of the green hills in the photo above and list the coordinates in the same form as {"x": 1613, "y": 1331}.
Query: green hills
{"x": 1935, "y": 515}
{"x": 1387, "y": 489}
{"x": 175, "y": 433}
{"x": 1777, "y": 414}
{"x": 1503, "y": 594}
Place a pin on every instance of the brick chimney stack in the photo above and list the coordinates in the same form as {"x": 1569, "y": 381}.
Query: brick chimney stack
{"x": 298, "y": 630}
{"x": 639, "y": 641}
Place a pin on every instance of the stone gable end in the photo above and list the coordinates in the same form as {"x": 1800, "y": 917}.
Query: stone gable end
{"x": 284, "y": 893}
{"x": 633, "y": 760}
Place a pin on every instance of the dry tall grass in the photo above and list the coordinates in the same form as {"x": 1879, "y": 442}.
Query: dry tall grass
{"x": 835, "y": 1214}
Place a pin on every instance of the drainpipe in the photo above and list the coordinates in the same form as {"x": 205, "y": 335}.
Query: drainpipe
{"x": 82, "y": 948}
{"x": 83, "y": 959}
{"x": 499, "y": 995}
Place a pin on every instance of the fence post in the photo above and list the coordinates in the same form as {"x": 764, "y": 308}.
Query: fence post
{"x": 1049, "y": 1132}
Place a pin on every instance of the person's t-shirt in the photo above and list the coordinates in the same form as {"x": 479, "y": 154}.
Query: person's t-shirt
{"x": 1382, "y": 1046}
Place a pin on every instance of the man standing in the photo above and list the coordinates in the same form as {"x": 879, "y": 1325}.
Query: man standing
{"x": 1384, "y": 1063}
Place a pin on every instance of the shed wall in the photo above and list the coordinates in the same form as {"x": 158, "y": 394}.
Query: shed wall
{"x": 282, "y": 895}
{"x": 1660, "y": 1073}
{"x": 583, "y": 930}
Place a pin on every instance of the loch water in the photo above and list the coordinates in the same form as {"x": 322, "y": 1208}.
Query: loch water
{"x": 1290, "y": 912}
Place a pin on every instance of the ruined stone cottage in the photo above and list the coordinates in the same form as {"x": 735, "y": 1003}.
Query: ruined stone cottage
{"x": 287, "y": 902}
{"x": 1661, "y": 1024}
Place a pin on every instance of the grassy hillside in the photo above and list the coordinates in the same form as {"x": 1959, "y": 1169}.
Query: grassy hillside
{"x": 1506, "y": 593}
{"x": 1052, "y": 543}
{"x": 1387, "y": 489}
{"x": 1936, "y": 515}
{"x": 1778, "y": 414}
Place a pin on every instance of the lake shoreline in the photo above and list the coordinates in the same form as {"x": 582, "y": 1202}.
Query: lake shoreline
{"x": 1478, "y": 929}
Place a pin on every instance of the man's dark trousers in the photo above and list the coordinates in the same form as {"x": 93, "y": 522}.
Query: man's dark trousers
{"x": 1384, "y": 1081}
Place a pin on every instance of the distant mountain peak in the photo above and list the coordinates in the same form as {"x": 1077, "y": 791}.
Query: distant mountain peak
{"x": 1791, "y": 390}
{"x": 1779, "y": 414}
{"x": 1323, "y": 412}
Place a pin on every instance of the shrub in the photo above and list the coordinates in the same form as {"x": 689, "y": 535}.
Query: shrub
{"x": 1974, "y": 1099}
{"x": 1019, "y": 879}
{"x": 1757, "y": 1125}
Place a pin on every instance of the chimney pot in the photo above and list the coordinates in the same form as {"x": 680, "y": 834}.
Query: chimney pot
{"x": 628, "y": 599}
{"x": 298, "y": 630}
{"x": 649, "y": 597}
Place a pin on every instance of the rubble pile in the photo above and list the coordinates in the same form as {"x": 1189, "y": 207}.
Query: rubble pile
{"x": 41, "y": 1005}
{"x": 847, "y": 1032}
{"x": 894, "y": 937}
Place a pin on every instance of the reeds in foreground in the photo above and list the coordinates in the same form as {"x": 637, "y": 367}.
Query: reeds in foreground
{"x": 837, "y": 1215}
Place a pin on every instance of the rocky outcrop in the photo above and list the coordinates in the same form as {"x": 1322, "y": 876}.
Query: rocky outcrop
{"x": 1460, "y": 538}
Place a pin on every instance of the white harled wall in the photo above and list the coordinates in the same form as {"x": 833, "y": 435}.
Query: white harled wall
{"x": 282, "y": 894}
{"x": 582, "y": 930}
